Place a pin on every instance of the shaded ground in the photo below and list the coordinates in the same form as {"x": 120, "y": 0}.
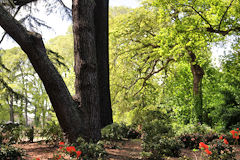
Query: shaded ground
{"x": 37, "y": 150}
{"x": 124, "y": 150}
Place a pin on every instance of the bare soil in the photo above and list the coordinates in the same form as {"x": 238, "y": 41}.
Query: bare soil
{"x": 124, "y": 150}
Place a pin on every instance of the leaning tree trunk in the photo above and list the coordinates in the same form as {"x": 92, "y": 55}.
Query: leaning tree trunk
{"x": 32, "y": 44}
{"x": 83, "y": 115}
{"x": 198, "y": 73}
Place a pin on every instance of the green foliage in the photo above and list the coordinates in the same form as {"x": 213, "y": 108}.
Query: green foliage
{"x": 118, "y": 132}
{"x": 9, "y": 153}
{"x": 192, "y": 141}
{"x": 220, "y": 150}
{"x": 10, "y": 133}
{"x": 158, "y": 137}
{"x": 91, "y": 151}
{"x": 161, "y": 147}
{"x": 29, "y": 133}
{"x": 52, "y": 132}
{"x": 193, "y": 128}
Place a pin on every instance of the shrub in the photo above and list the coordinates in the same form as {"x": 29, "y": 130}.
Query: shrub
{"x": 193, "y": 129}
{"x": 221, "y": 150}
{"x": 29, "y": 133}
{"x": 157, "y": 137}
{"x": 192, "y": 141}
{"x": 116, "y": 131}
{"x": 133, "y": 133}
{"x": 90, "y": 151}
{"x": 10, "y": 132}
{"x": 163, "y": 146}
{"x": 52, "y": 132}
{"x": 9, "y": 153}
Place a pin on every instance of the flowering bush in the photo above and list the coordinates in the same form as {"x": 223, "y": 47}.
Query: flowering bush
{"x": 205, "y": 147}
{"x": 90, "y": 151}
{"x": 235, "y": 135}
{"x": 67, "y": 150}
{"x": 192, "y": 140}
{"x": 221, "y": 149}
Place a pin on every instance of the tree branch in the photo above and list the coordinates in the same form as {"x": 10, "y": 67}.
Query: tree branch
{"x": 15, "y": 14}
{"x": 219, "y": 26}
{"x": 198, "y": 14}
{"x": 152, "y": 72}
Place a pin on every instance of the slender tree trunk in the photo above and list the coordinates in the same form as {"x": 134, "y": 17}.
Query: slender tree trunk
{"x": 26, "y": 108}
{"x": 11, "y": 111}
{"x": 198, "y": 73}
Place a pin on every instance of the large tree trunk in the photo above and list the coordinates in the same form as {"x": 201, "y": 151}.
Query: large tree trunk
{"x": 101, "y": 30}
{"x": 86, "y": 82}
{"x": 32, "y": 44}
{"x": 198, "y": 73}
{"x": 86, "y": 114}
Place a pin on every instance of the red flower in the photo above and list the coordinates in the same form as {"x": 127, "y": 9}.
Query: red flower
{"x": 78, "y": 153}
{"x": 208, "y": 152}
{"x": 71, "y": 149}
{"x": 234, "y": 133}
{"x": 237, "y": 137}
{"x": 225, "y": 141}
{"x": 57, "y": 158}
{"x": 203, "y": 145}
{"x": 221, "y": 137}
{"x": 61, "y": 143}
{"x": 37, "y": 158}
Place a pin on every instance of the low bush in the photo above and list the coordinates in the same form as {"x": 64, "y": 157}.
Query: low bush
{"x": 162, "y": 147}
{"x": 192, "y": 129}
{"x": 90, "y": 151}
{"x": 52, "y": 132}
{"x": 29, "y": 133}
{"x": 10, "y": 153}
{"x": 158, "y": 140}
{"x": 192, "y": 141}
{"x": 10, "y": 133}
{"x": 221, "y": 150}
{"x": 118, "y": 132}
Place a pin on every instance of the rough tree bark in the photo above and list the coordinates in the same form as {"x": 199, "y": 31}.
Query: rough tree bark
{"x": 101, "y": 30}
{"x": 83, "y": 114}
{"x": 198, "y": 73}
{"x": 85, "y": 67}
